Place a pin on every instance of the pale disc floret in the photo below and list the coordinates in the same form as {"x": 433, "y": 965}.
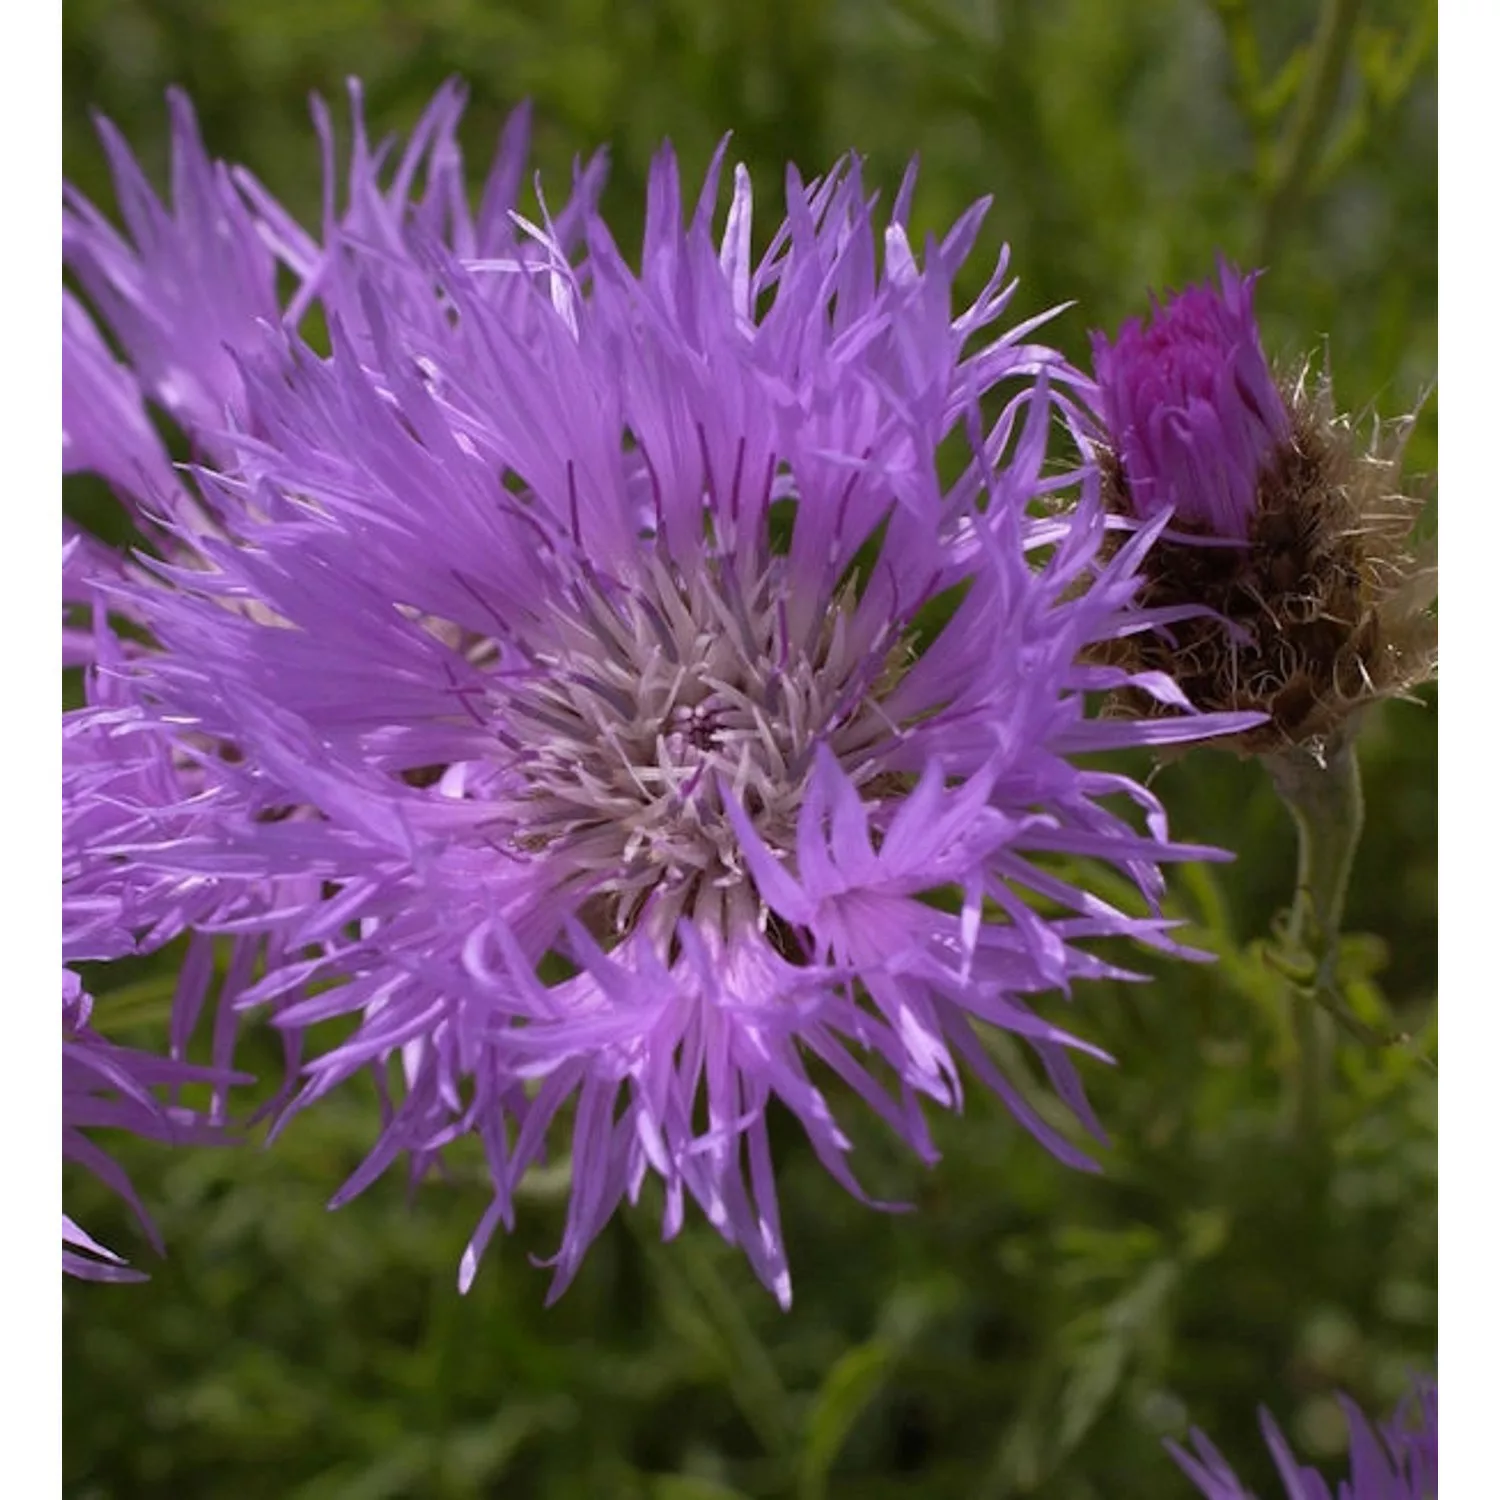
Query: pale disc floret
{"x": 647, "y": 706}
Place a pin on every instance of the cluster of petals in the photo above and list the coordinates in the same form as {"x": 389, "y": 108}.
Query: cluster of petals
{"x": 132, "y": 803}
{"x": 1191, "y": 407}
{"x": 106, "y": 1086}
{"x": 630, "y": 696}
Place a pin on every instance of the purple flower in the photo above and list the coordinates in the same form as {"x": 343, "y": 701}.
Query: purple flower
{"x": 1192, "y": 413}
{"x": 635, "y": 727}
{"x": 1397, "y": 1460}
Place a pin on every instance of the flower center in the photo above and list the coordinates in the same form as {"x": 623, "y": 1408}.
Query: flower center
{"x": 647, "y": 705}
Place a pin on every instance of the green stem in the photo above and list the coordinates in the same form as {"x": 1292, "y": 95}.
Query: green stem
{"x": 1315, "y": 103}
{"x": 1322, "y": 793}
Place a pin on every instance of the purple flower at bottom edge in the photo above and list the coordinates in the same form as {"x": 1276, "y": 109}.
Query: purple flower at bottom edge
{"x": 1190, "y": 408}
{"x": 1396, "y": 1460}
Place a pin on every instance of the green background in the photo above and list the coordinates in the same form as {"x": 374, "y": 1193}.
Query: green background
{"x": 1027, "y": 1330}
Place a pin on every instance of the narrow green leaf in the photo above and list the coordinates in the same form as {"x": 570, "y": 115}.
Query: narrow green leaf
{"x": 847, "y": 1390}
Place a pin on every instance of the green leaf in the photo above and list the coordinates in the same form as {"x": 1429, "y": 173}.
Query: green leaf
{"x": 847, "y": 1389}
{"x": 1281, "y": 90}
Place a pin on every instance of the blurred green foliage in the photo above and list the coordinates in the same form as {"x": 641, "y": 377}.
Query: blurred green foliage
{"x": 1027, "y": 1330}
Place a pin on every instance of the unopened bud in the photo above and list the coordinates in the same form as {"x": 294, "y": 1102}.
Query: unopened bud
{"x": 1293, "y": 537}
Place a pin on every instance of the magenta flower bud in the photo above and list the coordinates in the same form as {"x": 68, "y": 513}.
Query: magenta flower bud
{"x": 1193, "y": 413}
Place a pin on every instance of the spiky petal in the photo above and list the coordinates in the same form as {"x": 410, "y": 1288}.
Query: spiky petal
{"x": 1396, "y": 1460}
{"x": 107, "y": 1086}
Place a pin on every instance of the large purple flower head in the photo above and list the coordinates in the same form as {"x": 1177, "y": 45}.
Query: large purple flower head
{"x": 654, "y": 732}
{"x": 1395, "y": 1460}
{"x": 1193, "y": 413}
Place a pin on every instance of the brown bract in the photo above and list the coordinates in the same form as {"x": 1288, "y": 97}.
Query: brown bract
{"x": 1328, "y": 609}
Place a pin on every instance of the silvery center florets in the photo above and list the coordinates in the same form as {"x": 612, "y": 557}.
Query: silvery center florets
{"x": 648, "y": 704}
